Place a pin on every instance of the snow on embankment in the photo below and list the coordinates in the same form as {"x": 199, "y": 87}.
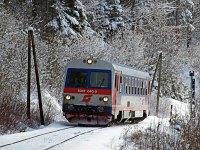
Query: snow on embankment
{"x": 51, "y": 107}
{"x": 179, "y": 108}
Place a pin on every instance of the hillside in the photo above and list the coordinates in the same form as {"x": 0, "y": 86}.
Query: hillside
{"x": 126, "y": 32}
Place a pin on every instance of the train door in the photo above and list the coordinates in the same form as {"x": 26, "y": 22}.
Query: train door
{"x": 116, "y": 97}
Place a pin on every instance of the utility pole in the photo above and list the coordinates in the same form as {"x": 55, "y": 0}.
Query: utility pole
{"x": 31, "y": 41}
{"x": 192, "y": 103}
{"x": 29, "y": 76}
{"x": 159, "y": 78}
{"x": 154, "y": 76}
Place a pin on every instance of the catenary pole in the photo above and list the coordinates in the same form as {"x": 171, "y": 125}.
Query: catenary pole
{"x": 154, "y": 76}
{"x": 159, "y": 79}
{"x": 29, "y": 75}
{"x": 37, "y": 79}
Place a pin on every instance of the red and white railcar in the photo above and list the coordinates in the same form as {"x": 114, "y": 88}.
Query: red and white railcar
{"x": 97, "y": 92}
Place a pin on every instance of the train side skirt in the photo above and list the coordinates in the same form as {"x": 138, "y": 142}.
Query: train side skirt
{"x": 89, "y": 117}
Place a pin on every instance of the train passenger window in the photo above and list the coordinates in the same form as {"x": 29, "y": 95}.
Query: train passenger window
{"x": 120, "y": 79}
{"x": 115, "y": 80}
{"x": 135, "y": 90}
{"x": 144, "y": 84}
{"x": 136, "y": 82}
{"x": 121, "y": 88}
{"x": 132, "y": 82}
{"x": 77, "y": 79}
{"x": 140, "y": 83}
{"x": 132, "y": 90}
{"x": 99, "y": 79}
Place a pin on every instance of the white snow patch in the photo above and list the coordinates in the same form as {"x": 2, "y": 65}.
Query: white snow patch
{"x": 53, "y": 23}
{"x": 30, "y": 28}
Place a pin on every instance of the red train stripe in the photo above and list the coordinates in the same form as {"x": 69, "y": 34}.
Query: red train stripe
{"x": 87, "y": 91}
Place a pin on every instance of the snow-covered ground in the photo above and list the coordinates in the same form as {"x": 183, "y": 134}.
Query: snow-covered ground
{"x": 109, "y": 138}
{"x": 105, "y": 138}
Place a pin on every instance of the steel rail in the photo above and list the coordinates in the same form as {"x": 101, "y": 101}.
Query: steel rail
{"x": 71, "y": 138}
{"x": 34, "y": 137}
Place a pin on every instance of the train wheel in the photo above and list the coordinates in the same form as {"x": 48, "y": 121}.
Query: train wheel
{"x": 144, "y": 114}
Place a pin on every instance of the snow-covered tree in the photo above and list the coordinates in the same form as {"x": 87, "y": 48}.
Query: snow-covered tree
{"x": 105, "y": 16}
{"x": 71, "y": 18}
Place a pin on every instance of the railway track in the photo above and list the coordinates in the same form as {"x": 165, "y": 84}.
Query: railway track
{"x": 73, "y": 137}
{"x": 66, "y": 136}
{"x": 5, "y": 145}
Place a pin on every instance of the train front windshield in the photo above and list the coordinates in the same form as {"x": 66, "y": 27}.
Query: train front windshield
{"x": 78, "y": 78}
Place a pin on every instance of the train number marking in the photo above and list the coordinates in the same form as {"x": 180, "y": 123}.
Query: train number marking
{"x": 81, "y": 91}
{"x": 92, "y": 91}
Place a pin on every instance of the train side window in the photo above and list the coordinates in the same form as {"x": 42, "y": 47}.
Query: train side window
{"x": 142, "y": 83}
{"x": 124, "y": 79}
{"x": 132, "y": 90}
{"x": 135, "y": 90}
{"x": 131, "y": 81}
{"x": 117, "y": 83}
{"x": 115, "y": 80}
{"x": 138, "y": 83}
{"x": 121, "y": 88}
{"x": 134, "y": 82}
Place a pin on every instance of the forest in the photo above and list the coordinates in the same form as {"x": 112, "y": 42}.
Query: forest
{"x": 130, "y": 32}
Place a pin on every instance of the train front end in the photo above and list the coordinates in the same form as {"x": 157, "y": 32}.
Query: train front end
{"x": 87, "y": 96}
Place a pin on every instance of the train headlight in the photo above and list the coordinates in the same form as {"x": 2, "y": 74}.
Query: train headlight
{"x": 68, "y": 97}
{"x": 105, "y": 99}
{"x": 89, "y": 61}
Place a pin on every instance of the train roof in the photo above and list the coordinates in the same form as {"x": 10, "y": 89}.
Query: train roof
{"x": 102, "y": 64}
{"x": 127, "y": 70}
